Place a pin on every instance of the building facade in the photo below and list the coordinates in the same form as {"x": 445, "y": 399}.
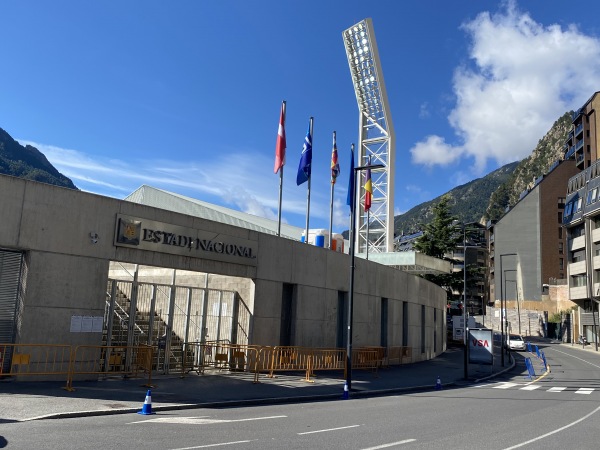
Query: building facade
{"x": 527, "y": 246}
{"x": 61, "y": 243}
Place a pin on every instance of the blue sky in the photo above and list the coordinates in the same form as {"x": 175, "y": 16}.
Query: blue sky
{"x": 185, "y": 95}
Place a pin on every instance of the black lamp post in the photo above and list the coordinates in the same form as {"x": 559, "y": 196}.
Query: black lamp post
{"x": 351, "y": 289}
{"x": 502, "y": 305}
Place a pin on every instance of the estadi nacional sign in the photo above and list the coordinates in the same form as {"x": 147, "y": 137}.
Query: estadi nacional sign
{"x": 144, "y": 234}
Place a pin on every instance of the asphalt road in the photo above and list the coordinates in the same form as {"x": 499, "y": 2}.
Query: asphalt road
{"x": 561, "y": 410}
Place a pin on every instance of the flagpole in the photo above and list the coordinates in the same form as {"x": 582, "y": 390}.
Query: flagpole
{"x": 310, "y": 127}
{"x": 331, "y": 201}
{"x": 280, "y": 160}
{"x": 368, "y": 216}
{"x": 331, "y": 218}
{"x": 280, "y": 197}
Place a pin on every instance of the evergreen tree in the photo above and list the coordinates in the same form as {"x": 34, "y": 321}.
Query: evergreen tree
{"x": 440, "y": 238}
{"x": 442, "y": 235}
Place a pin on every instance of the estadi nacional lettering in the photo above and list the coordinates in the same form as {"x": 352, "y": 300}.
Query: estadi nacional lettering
{"x": 155, "y": 236}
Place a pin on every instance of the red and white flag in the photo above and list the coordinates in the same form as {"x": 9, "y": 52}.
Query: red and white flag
{"x": 280, "y": 147}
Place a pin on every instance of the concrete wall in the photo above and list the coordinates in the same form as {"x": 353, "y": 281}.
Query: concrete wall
{"x": 518, "y": 232}
{"x": 68, "y": 239}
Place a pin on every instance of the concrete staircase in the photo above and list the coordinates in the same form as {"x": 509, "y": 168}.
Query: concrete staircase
{"x": 119, "y": 335}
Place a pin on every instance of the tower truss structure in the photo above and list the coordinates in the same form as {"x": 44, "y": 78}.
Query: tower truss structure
{"x": 376, "y": 139}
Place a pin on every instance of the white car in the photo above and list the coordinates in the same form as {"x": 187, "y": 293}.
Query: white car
{"x": 516, "y": 342}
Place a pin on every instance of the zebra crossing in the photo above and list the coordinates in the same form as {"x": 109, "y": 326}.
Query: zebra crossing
{"x": 534, "y": 387}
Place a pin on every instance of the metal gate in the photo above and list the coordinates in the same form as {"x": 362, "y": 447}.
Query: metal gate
{"x": 166, "y": 316}
{"x": 10, "y": 281}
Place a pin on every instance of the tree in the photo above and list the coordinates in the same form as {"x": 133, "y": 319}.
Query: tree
{"x": 442, "y": 235}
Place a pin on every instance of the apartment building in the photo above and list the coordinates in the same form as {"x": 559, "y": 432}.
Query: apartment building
{"x": 582, "y": 142}
{"x": 527, "y": 245}
{"x": 582, "y": 215}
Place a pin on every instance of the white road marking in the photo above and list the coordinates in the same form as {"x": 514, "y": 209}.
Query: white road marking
{"x": 328, "y": 429}
{"x": 213, "y": 445}
{"x": 576, "y": 357}
{"x": 391, "y": 444}
{"x": 506, "y": 386}
{"x": 555, "y": 431}
{"x": 556, "y": 389}
{"x": 585, "y": 391}
{"x": 530, "y": 387}
{"x": 201, "y": 420}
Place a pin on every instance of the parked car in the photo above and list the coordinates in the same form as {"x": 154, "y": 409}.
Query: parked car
{"x": 516, "y": 342}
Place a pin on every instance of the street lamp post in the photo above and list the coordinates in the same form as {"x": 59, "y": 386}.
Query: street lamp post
{"x": 352, "y": 260}
{"x": 502, "y": 308}
{"x": 465, "y": 328}
{"x": 516, "y": 293}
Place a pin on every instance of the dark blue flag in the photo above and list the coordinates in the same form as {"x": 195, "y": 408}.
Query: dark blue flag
{"x": 350, "y": 200}
{"x": 305, "y": 159}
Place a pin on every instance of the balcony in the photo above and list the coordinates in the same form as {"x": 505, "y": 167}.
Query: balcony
{"x": 576, "y": 243}
{"x": 579, "y": 130}
{"x": 578, "y": 293}
{"x": 577, "y": 268}
{"x": 579, "y": 145}
{"x": 579, "y": 159}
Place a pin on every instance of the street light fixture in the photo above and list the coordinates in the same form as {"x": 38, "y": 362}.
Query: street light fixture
{"x": 502, "y": 308}
{"x": 351, "y": 289}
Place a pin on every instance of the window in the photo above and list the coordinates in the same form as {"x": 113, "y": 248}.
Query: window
{"x": 592, "y": 196}
{"x": 578, "y": 281}
{"x": 560, "y": 217}
{"x": 568, "y": 209}
{"x": 577, "y": 231}
{"x": 578, "y": 256}
{"x": 561, "y": 202}
{"x": 560, "y": 248}
{"x": 560, "y": 232}
{"x": 579, "y": 202}
{"x": 561, "y": 264}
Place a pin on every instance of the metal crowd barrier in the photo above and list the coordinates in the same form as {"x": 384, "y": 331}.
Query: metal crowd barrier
{"x": 199, "y": 356}
{"x": 47, "y": 360}
{"x": 34, "y": 360}
{"x": 397, "y": 355}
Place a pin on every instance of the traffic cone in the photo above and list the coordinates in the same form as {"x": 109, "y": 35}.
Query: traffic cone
{"x": 438, "y": 384}
{"x": 147, "y": 408}
{"x": 346, "y": 395}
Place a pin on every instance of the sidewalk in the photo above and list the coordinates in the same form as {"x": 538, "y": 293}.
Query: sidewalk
{"x": 23, "y": 401}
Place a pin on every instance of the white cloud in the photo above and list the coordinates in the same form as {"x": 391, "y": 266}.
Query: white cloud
{"x": 215, "y": 180}
{"x": 424, "y": 110}
{"x": 523, "y": 76}
{"x": 434, "y": 150}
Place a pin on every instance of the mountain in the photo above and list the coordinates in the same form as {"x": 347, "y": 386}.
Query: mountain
{"x": 29, "y": 163}
{"x": 488, "y": 198}
{"x": 468, "y": 201}
{"x": 548, "y": 150}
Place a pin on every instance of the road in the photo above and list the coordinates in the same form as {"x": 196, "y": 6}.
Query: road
{"x": 561, "y": 410}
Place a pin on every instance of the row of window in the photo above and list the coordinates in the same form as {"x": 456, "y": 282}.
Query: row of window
{"x": 576, "y": 205}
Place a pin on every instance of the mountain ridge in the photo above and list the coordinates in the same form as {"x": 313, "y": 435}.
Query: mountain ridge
{"x": 29, "y": 163}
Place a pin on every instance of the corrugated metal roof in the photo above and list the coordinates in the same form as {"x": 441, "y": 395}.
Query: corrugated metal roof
{"x": 158, "y": 198}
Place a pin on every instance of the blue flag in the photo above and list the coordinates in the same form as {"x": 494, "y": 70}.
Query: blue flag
{"x": 305, "y": 159}
{"x": 350, "y": 200}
